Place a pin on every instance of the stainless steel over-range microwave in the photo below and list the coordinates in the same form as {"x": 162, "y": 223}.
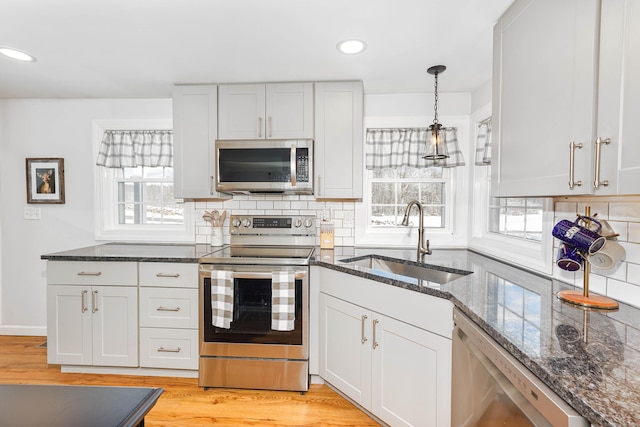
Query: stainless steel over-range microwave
{"x": 264, "y": 166}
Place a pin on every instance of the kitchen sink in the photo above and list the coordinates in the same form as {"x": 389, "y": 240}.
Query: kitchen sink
{"x": 392, "y": 268}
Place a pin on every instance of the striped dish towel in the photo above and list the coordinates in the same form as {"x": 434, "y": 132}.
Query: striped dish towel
{"x": 221, "y": 298}
{"x": 283, "y": 300}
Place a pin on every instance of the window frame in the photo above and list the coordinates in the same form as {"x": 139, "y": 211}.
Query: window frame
{"x": 453, "y": 235}
{"x": 106, "y": 226}
{"x": 536, "y": 256}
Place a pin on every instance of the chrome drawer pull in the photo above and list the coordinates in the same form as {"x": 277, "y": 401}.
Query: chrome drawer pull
{"x": 176, "y": 275}
{"x": 596, "y": 173}
{"x": 375, "y": 343}
{"x": 363, "y": 338}
{"x": 572, "y": 163}
{"x": 167, "y": 309}
{"x": 84, "y": 300}
{"x": 169, "y": 350}
{"x": 94, "y": 301}
{"x": 90, "y": 273}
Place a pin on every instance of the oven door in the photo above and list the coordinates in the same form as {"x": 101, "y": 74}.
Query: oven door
{"x": 250, "y": 333}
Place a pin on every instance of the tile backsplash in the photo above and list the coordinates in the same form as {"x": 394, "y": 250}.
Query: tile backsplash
{"x": 342, "y": 213}
{"x": 622, "y": 282}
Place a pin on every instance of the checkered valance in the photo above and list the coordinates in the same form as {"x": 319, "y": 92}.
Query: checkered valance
{"x": 394, "y": 148}
{"x": 133, "y": 148}
{"x": 483, "y": 143}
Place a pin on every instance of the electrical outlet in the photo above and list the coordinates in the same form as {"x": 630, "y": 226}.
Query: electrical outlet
{"x": 31, "y": 213}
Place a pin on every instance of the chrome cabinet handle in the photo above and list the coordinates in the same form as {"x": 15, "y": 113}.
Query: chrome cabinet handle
{"x": 596, "y": 173}
{"x": 259, "y": 126}
{"x": 167, "y": 309}
{"x": 270, "y": 126}
{"x": 319, "y": 185}
{"x": 89, "y": 273}
{"x": 84, "y": 300}
{"x": 212, "y": 185}
{"x": 572, "y": 149}
{"x": 169, "y": 350}
{"x": 94, "y": 301}
{"x": 375, "y": 343}
{"x": 363, "y": 338}
{"x": 175, "y": 276}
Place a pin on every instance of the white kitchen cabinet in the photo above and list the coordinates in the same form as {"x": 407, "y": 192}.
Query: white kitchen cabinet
{"x": 563, "y": 73}
{"x": 195, "y": 117}
{"x": 92, "y": 325}
{"x": 338, "y": 140}
{"x": 168, "y": 315}
{"x": 378, "y": 357}
{"x": 266, "y": 111}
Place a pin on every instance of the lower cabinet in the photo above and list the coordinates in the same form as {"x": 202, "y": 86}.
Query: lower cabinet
{"x": 399, "y": 372}
{"x": 92, "y": 325}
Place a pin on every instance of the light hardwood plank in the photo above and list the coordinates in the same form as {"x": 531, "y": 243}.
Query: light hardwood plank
{"x": 183, "y": 403}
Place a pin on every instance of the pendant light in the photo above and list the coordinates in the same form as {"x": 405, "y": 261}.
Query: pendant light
{"x": 436, "y": 138}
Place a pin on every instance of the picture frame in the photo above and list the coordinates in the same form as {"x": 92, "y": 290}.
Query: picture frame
{"x": 45, "y": 180}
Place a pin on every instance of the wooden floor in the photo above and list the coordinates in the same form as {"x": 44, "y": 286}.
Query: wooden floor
{"x": 183, "y": 403}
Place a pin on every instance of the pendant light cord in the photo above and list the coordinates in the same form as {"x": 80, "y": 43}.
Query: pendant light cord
{"x": 435, "y": 107}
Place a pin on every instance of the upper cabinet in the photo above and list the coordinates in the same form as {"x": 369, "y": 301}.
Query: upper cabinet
{"x": 565, "y": 98}
{"x": 339, "y": 140}
{"x": 195, "y": 117}
{"x": 265, "y": 111}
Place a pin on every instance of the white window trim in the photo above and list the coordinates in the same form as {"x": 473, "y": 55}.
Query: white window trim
{"x": 106, "y": 226}
{"x": 536, "y": 256}
{"x": 454, "y": 233}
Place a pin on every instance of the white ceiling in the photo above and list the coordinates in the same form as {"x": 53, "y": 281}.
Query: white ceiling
{"x": 141, "y": 48}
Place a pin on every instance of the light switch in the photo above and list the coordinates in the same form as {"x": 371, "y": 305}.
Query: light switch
{"x": 31, "y": 213}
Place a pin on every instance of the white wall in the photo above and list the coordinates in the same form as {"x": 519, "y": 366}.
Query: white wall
{"x": 49, "y": 128}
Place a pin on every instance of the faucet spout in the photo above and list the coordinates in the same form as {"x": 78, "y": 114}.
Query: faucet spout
{"x": 423, "y": 247}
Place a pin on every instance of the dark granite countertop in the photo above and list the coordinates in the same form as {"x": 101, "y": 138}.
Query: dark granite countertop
{"x": 134, "y": 252}
{"x": 599, "y": 376}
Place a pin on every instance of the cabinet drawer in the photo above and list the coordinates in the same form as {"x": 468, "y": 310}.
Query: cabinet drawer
{"x": 169, "y": 307}
{"x": 169, "y": 348}
{"x": 92, "y": 273}
{"x": 169, "y": 274}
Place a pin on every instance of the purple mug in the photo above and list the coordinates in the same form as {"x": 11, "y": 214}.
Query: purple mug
{"x": 576, "y": 235}
{"x": 569, "y": 258}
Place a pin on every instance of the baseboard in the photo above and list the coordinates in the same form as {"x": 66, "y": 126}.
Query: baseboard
{"x": 32, "y": 331}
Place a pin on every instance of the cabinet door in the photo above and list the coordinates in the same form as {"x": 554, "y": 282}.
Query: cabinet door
{"x": 241, "y": 111}
{"x": 68, "y": 325}
{"x": 115, "y": 325}
{"x": 345, "y": 348}
{"x": 411, "y": 374}
{"x": 195, "y": 116}
{"x": 339, "y": 140}
{"x": 629, "y": 167}
{"x": 289, "y": 109}
{"x": 544, "y": 73}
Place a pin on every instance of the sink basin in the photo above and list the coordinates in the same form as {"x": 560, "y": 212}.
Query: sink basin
{"x": 392, "y": 268}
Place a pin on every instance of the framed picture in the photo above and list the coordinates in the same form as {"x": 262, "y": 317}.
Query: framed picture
{"x": 45, "y": 180}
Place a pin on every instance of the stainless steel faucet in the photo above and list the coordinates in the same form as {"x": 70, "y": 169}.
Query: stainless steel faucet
{"x": 422, "y": 248}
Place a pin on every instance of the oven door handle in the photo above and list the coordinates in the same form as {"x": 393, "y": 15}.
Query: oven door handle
{"x": 263, "y": 275}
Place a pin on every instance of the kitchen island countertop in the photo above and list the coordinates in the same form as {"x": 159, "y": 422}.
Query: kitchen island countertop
{"x": 599, "y": 374}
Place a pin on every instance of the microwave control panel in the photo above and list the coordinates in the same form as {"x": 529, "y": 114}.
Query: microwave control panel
{"x": 302, "y": 164}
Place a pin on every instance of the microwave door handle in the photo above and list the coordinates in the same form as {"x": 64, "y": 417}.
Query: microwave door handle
{"x": 293, "y": 166}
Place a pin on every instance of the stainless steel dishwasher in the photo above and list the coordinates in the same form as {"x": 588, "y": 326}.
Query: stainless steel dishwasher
{"x": 491, "y": 388}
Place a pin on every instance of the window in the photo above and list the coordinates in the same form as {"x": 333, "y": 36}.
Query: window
{"x": 516, "y": 217}
{"x": 135, "y": 202}
{"x": 392, "y": 189}
{"x": 394, "y": 176}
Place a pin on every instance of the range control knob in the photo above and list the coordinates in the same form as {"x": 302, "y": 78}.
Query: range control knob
{"x": 308, "y": 222}
{"x": 246, "y": 223}
{"x": 297, "y": 223}
{"x": 236, "y": 223}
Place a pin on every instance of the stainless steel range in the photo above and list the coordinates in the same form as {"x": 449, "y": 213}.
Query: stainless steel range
{"x": 254, "y": 305}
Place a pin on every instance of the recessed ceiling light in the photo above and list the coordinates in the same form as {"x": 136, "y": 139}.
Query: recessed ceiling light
{"x": 16, "y": 54}
{"x": 351, "y": 47}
